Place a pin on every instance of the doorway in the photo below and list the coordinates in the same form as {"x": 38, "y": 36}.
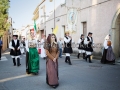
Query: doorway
{"x": 63, "y": 31}
{"x": 115, "y": 35}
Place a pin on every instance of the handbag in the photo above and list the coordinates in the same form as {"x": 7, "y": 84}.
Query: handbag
{"x": 39, "y": 51}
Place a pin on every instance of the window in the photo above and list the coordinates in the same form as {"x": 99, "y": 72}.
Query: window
{"x": 85, "y": 28}
{"x": 52, "y": 30}
{"x": 63, "y": 31}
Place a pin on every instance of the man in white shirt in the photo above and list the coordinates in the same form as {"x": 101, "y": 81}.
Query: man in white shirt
{"x": 15, "y": 53}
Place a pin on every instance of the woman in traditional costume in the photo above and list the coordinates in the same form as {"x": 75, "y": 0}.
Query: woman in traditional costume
{"x": 81, "y": 47}
{"x": 32, "y": 56}
{"x": 89, "y": 44}
{"x": 52, "y": 52}
{"x": 67, "y": 47}
{"x": 108, "y": 55}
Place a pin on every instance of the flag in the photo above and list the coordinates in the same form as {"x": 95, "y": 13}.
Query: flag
{"x": 35, "y": 27}
{"x": 55, "y": 30}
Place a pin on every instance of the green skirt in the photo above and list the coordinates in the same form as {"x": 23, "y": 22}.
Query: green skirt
{"x": 33, "y": 62}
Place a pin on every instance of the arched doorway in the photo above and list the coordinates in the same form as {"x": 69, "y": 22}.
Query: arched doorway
{"x": 116, "y": 33}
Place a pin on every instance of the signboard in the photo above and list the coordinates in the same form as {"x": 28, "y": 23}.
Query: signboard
{"x": 72, "y": 20}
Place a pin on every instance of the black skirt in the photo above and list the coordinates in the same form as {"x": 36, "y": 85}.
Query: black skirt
{"x": 15, "y": 52}
{"x": 104, "y": 60}
{"x": 90, "y": 49}
{"x": 81, "y": 47}
{"x": 67, "y": 50}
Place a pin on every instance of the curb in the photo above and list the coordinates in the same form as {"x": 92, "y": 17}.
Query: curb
{"x": 5, "y": 50}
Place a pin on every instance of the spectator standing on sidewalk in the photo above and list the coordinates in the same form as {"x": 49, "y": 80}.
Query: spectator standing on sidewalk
{"x": 60, "y": 43}
{"x": 1, "y": 43}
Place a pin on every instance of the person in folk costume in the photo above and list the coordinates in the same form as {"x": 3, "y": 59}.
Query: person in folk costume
{"x": 15, "y": 53}
{"x": 81, "y": 46}
{"x": 22, "y": 47}
{"x": 89, "y": 46}
{"x": 67, "y": 47}
{"x": 43, "y": 54}
{"x": 32, "y": 56}
{"x": 52, "y": 51}
{"x": 108, "y": 55}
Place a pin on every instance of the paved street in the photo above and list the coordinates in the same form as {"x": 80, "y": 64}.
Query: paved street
{"x": 79, "y": 76}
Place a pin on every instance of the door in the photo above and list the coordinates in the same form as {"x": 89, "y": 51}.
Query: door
{"x": 62, "y": 31}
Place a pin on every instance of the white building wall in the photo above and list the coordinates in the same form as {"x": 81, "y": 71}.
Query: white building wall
{"x": 97, "y": 13}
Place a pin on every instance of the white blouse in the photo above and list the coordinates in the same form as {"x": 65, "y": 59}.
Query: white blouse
{"x": 28, "y": 42}
{"x": 86, "y": 42}
{"x": 79, "y": 41}
{"x": 105, "y": 44}
{"x": 67, "y": 40}
{"x": 10, "y": 44}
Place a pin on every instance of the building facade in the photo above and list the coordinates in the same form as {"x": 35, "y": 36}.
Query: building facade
{"x": 101, "y": 17}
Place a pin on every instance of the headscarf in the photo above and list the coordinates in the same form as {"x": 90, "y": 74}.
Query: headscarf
{"x": 107, "y": 37}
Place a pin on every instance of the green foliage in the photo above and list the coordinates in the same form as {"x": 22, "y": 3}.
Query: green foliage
{"x": 4, "y": 6}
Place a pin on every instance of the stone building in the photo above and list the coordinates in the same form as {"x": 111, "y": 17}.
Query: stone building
{"x": 101, "y": 17}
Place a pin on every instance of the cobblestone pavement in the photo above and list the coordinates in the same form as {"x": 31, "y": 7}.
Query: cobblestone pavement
{"x": 79, "y": 76}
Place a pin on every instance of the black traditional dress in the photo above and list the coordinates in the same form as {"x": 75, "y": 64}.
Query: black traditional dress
{"x": 15, "y": 53}
{"x": 88, "y": 47}
{"x": 81, "y": 47}
{"x": 67, "y": 49}
{"x": 108, "y": 55}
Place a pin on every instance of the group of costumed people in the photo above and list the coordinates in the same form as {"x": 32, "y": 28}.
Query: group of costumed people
{"x": 32, "y": 57}
{"x": 51, "y": 53}
{"x": 86, "y": 46}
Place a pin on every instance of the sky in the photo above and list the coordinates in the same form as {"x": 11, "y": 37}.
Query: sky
{"x": 21, "y": 12}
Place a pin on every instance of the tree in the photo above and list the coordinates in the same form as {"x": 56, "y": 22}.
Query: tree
{"x": 4, "y": 6}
